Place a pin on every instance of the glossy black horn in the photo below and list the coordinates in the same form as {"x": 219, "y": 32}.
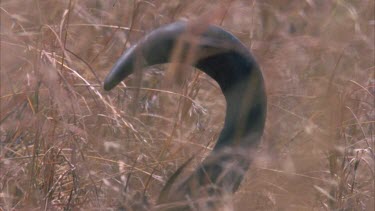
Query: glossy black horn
{"x": 224, "y": 58}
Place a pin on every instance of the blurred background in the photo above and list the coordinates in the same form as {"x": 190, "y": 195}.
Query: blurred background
{"x": 66, "y": 144}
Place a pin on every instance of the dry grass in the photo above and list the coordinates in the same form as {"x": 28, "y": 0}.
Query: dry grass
{"x": 67, "y": 144}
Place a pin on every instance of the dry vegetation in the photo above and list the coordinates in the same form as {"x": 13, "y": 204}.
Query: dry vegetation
{"x": 67, "y": 144}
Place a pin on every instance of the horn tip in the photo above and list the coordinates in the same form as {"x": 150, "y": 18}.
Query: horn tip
{"x": 108, "y": 84}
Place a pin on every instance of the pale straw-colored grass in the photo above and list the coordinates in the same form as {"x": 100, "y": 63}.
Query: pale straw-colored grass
{"x": 67, "y": 144}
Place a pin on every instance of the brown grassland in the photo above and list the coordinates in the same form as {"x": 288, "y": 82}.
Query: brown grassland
{"x": 66, "y": 144}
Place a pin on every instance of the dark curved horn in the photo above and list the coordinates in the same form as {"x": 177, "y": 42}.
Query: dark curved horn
{"x": 223, "y": 57}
